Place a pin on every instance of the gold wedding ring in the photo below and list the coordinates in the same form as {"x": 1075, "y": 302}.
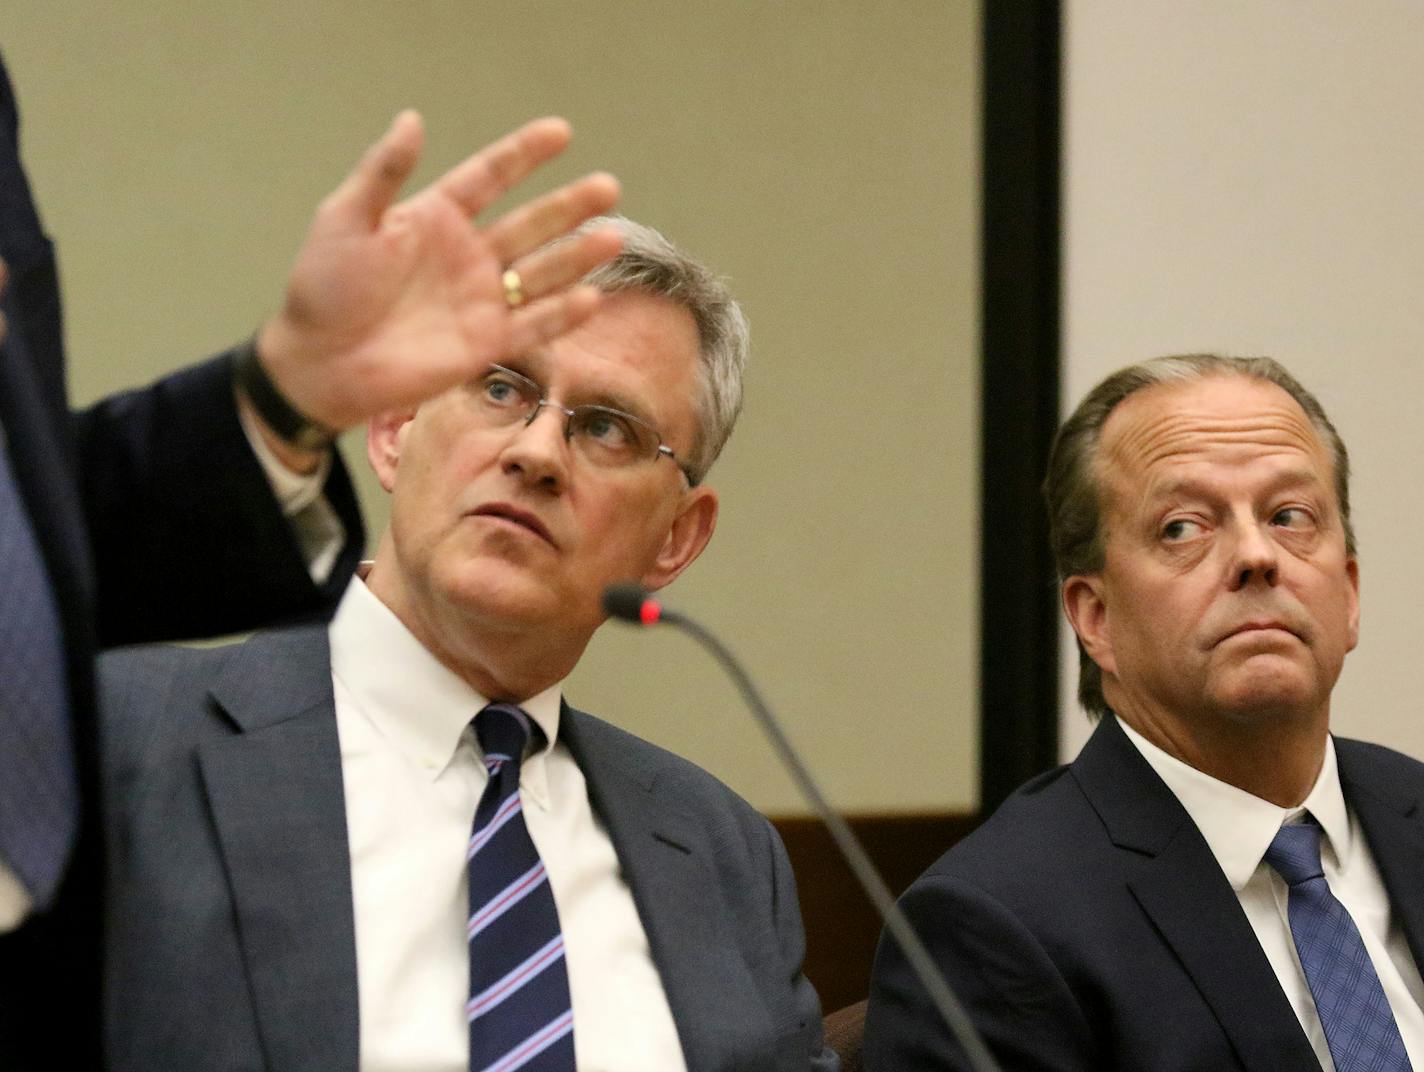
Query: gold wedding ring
{"x": 513, "y": 288}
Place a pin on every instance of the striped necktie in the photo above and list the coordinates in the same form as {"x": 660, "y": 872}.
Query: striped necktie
{"x": 1359, "y": 1024}
{"x": 39, "y": 795}
{"x": 519, "y": 1011}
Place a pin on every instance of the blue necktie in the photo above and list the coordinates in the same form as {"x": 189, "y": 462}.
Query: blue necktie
{"x": 39, "y": 796}
{"x": 519, "y": 1010}
{"x": 1359, "y": 1026}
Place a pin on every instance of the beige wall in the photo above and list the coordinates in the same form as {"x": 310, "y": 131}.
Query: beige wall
{"x": 1245, "y": 178}
{"x": 825, "y": 157}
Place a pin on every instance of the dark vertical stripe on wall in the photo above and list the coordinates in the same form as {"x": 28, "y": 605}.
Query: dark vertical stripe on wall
{"x": 1019, "y": 617}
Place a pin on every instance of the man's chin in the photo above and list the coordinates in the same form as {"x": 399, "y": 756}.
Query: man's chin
{"x": 508, "y": 598}
{"x": 1266, "y": 687}
{"x": 499, "y": 592}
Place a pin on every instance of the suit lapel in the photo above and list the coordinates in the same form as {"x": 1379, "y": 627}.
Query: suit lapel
{"x": 1390, "y": 816}
{"x": 1181, "y": 888}
{"x": 275, "y": 790}
{"x": 667, "y": 863}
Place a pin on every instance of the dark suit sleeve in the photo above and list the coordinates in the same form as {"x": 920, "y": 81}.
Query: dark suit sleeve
{"x": 184, "y": 533}
{"x": 791, "y": 935}
{"x": 187, "y": 536}
{"x": 1005, "y": 979}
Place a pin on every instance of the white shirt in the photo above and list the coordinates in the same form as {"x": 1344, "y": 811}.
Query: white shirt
{"x": 319, "y": 535}
{"x": 413, "y": 777}
{"x": 314, "y": 522}
{"x": 1239, "y": 827}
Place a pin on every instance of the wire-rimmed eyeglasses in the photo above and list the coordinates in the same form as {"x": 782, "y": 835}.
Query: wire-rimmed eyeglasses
{"x": 606, "y": 437}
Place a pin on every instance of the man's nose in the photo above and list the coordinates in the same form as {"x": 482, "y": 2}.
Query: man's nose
{"x": 538, "y": 450}
{"x": 1255, "y": 556}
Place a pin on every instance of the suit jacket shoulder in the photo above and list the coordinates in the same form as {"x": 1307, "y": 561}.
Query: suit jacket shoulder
{"x": 715, "y": 892}
{"x": 150, "y": 692}
{"x": 1087, "y": 925}
{"x": 223, "y": 787}
{"x": 606, "y": 748}
{"x": 230, "y": 937}
{"x": 1367, "y": 765}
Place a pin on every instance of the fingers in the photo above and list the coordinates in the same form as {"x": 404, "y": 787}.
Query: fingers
{"x": 564, "y": 263}
{"x": 526, "y": 228}
{"x": 483, "y": 177}
{"x": 531, "y": 326}
{"x": 376, "y": 180}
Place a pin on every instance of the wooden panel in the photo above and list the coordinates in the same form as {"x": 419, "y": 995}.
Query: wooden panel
{"x": 842, "y": 926}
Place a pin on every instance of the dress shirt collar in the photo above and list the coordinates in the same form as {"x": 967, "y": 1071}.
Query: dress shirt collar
{"x": 1239, "y": 827}
{"x": 417, "y": 703}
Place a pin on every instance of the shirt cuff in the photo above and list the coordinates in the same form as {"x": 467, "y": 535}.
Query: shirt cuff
{"x": 315, "y": 524}
{"x": 14, "y": 900}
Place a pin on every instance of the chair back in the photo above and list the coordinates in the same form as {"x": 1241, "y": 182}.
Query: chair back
{"x": 844, "y": 1030}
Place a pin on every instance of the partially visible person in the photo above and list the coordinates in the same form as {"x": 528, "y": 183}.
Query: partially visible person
{"x": 212, "y": 501}
{"x": 392, "y": 844}
{"x": 1215, "y": 882}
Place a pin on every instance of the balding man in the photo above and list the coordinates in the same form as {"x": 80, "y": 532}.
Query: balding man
{"x": 1215, "y": 882}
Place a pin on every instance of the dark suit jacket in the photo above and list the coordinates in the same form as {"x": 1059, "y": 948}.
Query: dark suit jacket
{"x": 1086, "y": 925}
{"x": 231, "y": 935}
{"x": 155, "y": 521}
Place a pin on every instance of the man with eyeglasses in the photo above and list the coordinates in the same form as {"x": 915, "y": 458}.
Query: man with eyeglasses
{"x": 401, "y": 849}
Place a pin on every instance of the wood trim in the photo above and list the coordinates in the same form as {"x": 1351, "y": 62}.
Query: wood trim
{"x": 842, "y": 926}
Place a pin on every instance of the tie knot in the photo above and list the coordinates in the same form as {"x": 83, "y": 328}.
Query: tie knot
{"x": 1295, "y": 852}
{"x": 503, "y": 730}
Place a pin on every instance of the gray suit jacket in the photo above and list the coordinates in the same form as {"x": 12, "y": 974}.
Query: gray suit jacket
{"x": 230, "y": 935}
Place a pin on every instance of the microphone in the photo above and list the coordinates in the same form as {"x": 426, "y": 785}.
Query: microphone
{"x": 634, "y": 603}
{"x": 631, "y": 603}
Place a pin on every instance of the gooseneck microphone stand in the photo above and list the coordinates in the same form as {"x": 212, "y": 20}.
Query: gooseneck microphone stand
{"x": 632, "y": 603}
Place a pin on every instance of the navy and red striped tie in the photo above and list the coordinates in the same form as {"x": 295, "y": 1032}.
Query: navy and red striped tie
{"x": 519, "y": 1011}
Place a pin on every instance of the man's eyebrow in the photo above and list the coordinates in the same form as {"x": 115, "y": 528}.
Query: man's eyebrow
{"x": 1178, "y": 487}
{"x": 1294, "y": 476}
{"x": 527, "y": 364}
{"x": 533, "y": 365}
{"x": 611, "y": 400}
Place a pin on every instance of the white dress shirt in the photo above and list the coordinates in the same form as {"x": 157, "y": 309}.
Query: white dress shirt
{"x": 413, "y": 775}
{"x": 314, "y": 522}
{"x": 1239, "y": 827}
{"x": 319, "y": 534}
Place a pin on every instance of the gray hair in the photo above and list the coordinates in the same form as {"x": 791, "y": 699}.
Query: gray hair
{"x": 651, "y": 264}
{"x": 1073, "y": 493}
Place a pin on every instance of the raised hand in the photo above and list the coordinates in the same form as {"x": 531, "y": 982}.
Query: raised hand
{"x": 392, "y": 302}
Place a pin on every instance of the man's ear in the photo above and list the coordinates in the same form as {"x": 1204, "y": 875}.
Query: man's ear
{"x": 688, "y": 535}
{"x": 1352, "y": 570}
{"x": 1087, "y": 609}
{"x": 384, "y": 436}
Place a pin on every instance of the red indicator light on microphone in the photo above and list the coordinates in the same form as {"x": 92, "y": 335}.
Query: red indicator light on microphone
{"x": 650, "y": 612}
